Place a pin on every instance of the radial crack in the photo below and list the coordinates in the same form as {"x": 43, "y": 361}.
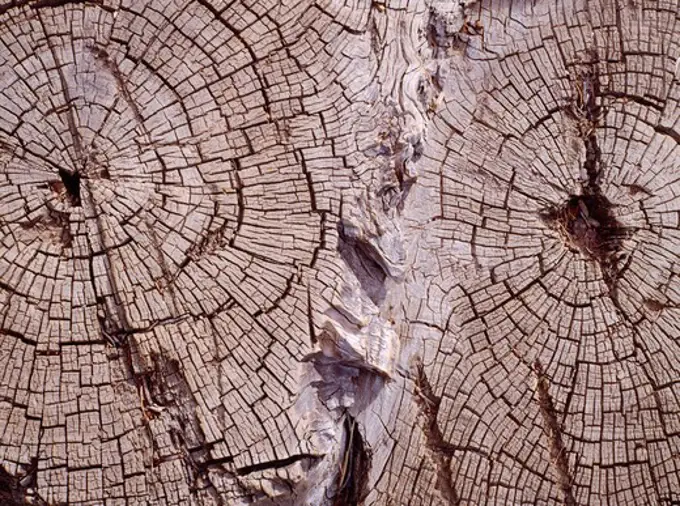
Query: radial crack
{"x": 586, "y": 222}
{"x": 277, "y": 464}
{"x": 354, "y": 467}
{"x": 441, "y": 451}
{"x": 553, "y": 430}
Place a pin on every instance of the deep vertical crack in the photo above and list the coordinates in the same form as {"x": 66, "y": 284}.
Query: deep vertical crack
{"x": 352, "y": 487}
{"x": 71, "y": 182}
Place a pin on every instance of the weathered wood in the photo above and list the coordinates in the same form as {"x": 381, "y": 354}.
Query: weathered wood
{"x": 296, "y": 252}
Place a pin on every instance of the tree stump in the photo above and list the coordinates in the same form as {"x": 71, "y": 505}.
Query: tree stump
{"x": 296, "y": 252}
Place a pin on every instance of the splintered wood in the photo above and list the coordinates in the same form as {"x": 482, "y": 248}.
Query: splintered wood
{"x": 339, "y": 252}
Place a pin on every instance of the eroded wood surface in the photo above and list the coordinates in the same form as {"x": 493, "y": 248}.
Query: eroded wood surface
{"x": 339, "y": 252}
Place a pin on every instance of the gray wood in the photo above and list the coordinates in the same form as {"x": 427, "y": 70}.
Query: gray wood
{"x": 296, "y": 252}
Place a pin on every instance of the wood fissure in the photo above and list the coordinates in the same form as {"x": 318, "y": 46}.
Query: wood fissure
{"x": 355, "y": 465}
{"x": 553, "y": 430}
{"x": 441, "y": 451}
{"x": 14, "y": 489}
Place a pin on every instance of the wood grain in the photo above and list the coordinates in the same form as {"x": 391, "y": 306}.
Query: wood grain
{"x": 298, "y": 252}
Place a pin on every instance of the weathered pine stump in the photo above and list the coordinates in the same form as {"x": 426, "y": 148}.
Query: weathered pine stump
{"x": 339, "y": 252}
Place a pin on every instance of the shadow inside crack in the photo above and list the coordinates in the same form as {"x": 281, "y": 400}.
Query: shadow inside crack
{"x": 352, "y": 485}
{"x": 370, "y": 274}
{"x": 586, "y": 224}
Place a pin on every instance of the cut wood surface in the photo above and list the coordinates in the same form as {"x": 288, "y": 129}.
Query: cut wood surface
{"x": 340, "y": 252}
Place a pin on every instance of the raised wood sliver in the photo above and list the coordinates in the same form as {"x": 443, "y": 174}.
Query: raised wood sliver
{"x": 339, "y": 253}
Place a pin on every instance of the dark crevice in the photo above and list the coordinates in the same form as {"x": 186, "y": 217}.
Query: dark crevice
{"x": 321, "y": 245}
{"x": 310, "y": 319}
{"x": 352, "y": 486}
{"x": 60, "y": 3}
{"x": 18, "y": 335}
{"x": 441, "y": 451}
{"x": 587, "y": 225}
{"x": 71, "y": 182}
{"x": 14, "y": 489}
{"x": 359, "y": 258}
{"x": 309, "y": 179}
{"x": 647, "y": 101}
{"x": 669, "y": 132}
{"x": 585, "y": 109}
{"x": 553, "y": 430}
{"x": 214, "y": 463}
{"x": 237, "y": 185}
{"x": 276, "y": 464}
{"x": 586, "y": 222}
{"x": 49, "y": 3}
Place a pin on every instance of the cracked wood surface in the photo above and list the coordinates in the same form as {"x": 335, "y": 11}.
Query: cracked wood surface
{"x": 297, "y": 252}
